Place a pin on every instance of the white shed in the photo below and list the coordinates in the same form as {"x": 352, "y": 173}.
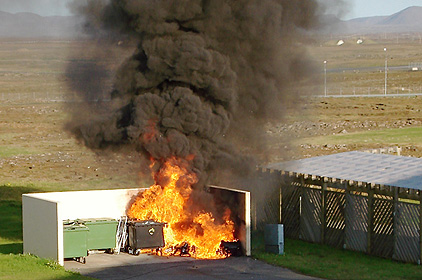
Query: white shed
{"x": 43, "y": 215}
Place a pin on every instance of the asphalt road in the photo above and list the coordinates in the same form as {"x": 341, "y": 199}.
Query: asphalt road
{"x": 125, "y": 266}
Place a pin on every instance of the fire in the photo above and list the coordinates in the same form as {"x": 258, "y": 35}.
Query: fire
{"x": 167, "y": 201}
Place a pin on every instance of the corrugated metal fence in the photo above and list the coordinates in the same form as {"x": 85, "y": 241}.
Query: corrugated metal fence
{"x": 379, "y": 220}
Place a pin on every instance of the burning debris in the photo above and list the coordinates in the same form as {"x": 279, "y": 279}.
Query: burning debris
{"x": 204, "y": 74}
{"x": 188, "y": 232}
{"x": 184, "y": 250}
{"x": 228, "y": 248}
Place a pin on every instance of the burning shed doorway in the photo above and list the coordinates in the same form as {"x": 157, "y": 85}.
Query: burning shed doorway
{"x": 198, "y": 234}
{"x": 44, "y": 213}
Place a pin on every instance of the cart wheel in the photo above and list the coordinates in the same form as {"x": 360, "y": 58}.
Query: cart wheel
{"x": 137, "y": 252}
{"x": 83, "y": 260}
{"x": 110, "y": 251}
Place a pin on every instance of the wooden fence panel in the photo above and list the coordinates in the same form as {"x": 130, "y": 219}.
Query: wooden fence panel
{"x": 266, "y": 213}
{"x": 310, "y": 218}
{"x": 272, "y": 208}
{"x": 407, "y": 233}
{"x": 266, "y": 204}
{"x": 382, "y": 243}
{"x": 290, "y": 214}
{"x": 334, "y": 219}
{"x": 356, "y": 216}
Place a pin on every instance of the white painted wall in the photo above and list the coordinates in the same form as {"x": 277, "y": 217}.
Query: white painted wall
{"x": 247, "y": 232}
{"x": 93, "y": 204}
{"x": 40, "y": 227}
{"x": 43, "y": 215}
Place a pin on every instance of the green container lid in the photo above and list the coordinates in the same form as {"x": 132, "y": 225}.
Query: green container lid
{"x": 75, "y": 227}
{"x": 68, "y": 222}
{"x": 96, "y": 221}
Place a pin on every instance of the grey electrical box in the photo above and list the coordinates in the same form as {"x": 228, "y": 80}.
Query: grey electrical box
{"x": 274, "y": 239}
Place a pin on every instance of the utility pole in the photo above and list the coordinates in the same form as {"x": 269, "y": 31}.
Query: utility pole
{"x": 385, "y": 71}
{"x": 325, "y": 78}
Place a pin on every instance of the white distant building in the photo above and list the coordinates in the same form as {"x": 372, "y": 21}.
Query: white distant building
{"x": 415, "y": 66}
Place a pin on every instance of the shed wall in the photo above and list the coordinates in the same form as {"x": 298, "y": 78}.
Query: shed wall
{"x": 40, "y": 227}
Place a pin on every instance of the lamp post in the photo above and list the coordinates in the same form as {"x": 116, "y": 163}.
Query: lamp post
{"x": 385, "y": 71}
{"x": 325, "y": 78}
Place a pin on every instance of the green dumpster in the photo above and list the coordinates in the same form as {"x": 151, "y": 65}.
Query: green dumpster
{"x": 102, "y": 233}
{"x": 75, "y": 241}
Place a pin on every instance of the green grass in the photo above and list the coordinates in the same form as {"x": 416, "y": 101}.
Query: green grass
{"x": 118, "y": 182}
{"x": 9, "y": 151}
{"x": 11, "y": 221}
{"x": 18, "y": 266}
{"x": 13, "y": 264}
{"x": 399, "y": 136}
{"x": 330, "y": 263}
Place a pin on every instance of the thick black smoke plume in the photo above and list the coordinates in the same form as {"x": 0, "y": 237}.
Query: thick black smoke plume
{"x": 204, "y": 72}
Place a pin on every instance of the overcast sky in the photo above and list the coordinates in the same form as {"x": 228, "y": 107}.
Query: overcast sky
{"x": 41, "y": 7}
{"x": 366, "y": 8}
{"x": 355, "y": 8}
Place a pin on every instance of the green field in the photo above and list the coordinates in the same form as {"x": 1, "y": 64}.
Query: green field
{"x": 384, "y": 137}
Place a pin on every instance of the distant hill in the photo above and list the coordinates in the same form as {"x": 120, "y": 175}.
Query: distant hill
{"x": 29, "y": 25}
{"x": 407, "y": 20}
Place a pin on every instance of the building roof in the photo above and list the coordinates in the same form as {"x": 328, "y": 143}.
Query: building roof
{"x": 383, "y": 169}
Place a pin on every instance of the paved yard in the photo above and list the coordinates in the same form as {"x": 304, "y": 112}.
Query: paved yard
{"x": 125, "y": 266}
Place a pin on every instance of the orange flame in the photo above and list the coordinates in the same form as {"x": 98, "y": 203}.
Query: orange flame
{"x": 168, "y": 203}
